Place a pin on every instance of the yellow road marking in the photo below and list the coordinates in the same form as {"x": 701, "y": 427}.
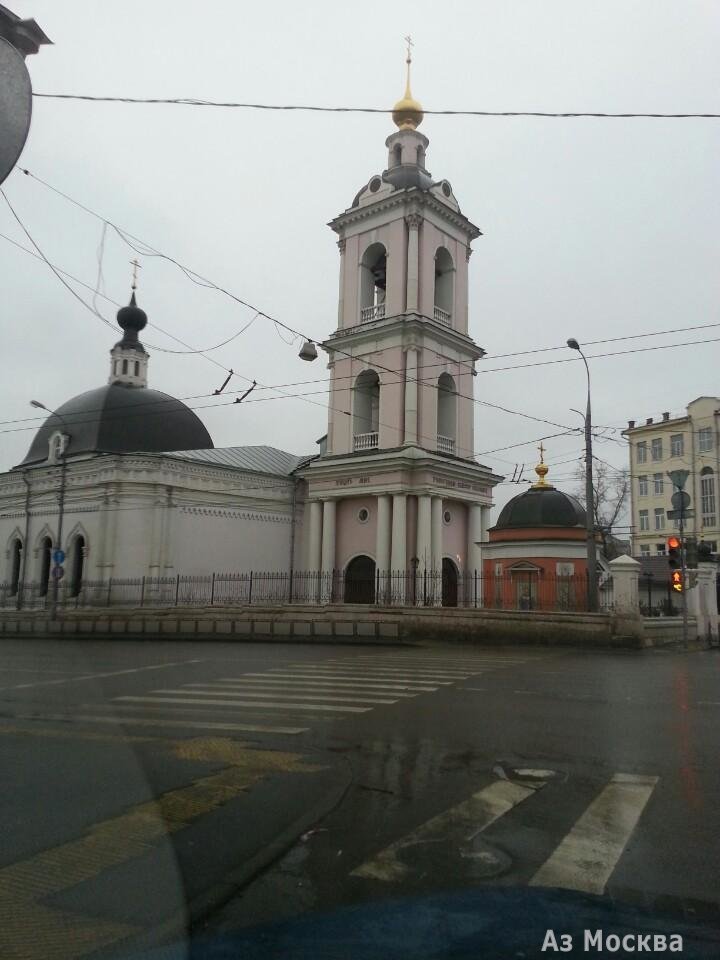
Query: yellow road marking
{"x": 29, "y": 930}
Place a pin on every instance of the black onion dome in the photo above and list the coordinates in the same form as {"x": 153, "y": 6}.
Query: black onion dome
{"x": 131, "y": 317}
{"x": 122, "y": 419}
{"x": 546, "y": 507}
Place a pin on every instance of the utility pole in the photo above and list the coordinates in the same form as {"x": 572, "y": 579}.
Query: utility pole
{"x": 589, "y": 494}
{"x": 681, "y": 511}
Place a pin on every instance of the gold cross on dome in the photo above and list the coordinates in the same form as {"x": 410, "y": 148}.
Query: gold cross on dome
{"x": 136, "y": 266}
{"x": 541, "y": 448}
{"x": 408, "y": 40}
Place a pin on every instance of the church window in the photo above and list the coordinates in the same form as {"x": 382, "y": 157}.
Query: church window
{"x": 77, "y": 558}
{"x": 363, "y": 515}
{"x": 366, "y": 410}
{"x": 375, "y": 184}
{"x": 421, "y": 156}
{"x": 45, "y": 557}
{"x": 373, "y": 283}
{"x": 446, "y": 414}
{"x": 137, "y": 368}
{"x": 16, "y": 548}
{"x": 125, "y": 366}
{"x": 397, "y": 155}
{"x": 444, "y": 281}
{"x": 447, "y": 517}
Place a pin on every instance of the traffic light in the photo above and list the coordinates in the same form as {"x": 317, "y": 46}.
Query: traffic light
{"x": 675, "y": 563}
{"x": 673, "y": 553}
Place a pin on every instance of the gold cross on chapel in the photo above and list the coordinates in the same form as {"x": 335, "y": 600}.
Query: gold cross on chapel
{"x": 136, "y": 266}
{"x": 408, "y": 40}
{"x": 541, "y": 448}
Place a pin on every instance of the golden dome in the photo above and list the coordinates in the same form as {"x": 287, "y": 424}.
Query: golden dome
{"x": 407, "y": 112}
{"x": 542, "y": 470}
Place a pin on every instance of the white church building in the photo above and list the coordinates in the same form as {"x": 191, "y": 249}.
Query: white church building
{"x": 125, "y": 480}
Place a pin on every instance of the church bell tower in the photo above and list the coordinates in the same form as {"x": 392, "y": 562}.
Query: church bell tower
{"x": 397, "y": 483}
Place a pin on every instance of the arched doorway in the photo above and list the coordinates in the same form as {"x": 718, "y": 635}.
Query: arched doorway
{"x": 360, "y": 580}
{"x": 77, "y": 564}
{"x": 16, "y": 549}
{"x": 45, "y": 559}
{"x": 449, "y": 583}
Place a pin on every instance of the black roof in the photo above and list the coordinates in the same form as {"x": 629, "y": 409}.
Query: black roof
{"x": 542, "y": 507}
{"x": 122, "y": 419}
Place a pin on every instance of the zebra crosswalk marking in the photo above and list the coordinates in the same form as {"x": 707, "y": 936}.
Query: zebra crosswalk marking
{"x": 282, "y": 695}
{"x": 269, "y": 705}
{"x": 154, "y": 722}
{"x": 318, "y": 687}
{"x": 372, "y": 672}
{"x": 588, "y": 854}
{"x": 414, "y": 684}
{"x": 473, "y": 815}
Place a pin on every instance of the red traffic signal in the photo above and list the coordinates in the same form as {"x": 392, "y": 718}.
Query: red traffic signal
{"x": 676, "y": 579}
{"x": 673, "y": 543}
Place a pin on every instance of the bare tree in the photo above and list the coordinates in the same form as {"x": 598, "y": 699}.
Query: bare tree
{"x": 610, "y": 493}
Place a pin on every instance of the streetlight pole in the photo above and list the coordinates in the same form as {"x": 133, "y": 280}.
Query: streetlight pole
{"x": 589, "y": 494}
{"x": 61, "y": 506}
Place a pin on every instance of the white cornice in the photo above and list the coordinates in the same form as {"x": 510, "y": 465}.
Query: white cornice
{"x": 405, "y": 325}
{"x": 401, "y": 198}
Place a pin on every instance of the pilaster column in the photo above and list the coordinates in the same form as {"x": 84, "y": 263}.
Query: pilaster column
{"x": 413, "y": 221}
{"x": 398, "y": 556}
{"x": 315, "y": 536}
{"x": 341, "y": 294}
{"x": 382, "y": 542}
{"x": 411, "y": 398}
{"x": 424, "y": 550}
{"x": 437, "y": 545}
{"x": 476, "y": 536}
{"x": 327, "y": 561}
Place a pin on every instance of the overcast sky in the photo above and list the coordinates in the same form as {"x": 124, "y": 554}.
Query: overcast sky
{"x": 591, "y": 228}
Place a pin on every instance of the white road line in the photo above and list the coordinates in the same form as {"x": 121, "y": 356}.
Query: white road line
{"x": 270, "y": 705}
{"x": 390, "y": 671}
{"x": 588, "y": 854}
{"x": 472, "y": 817}
{"x": 709, "y": 703}
{"x": 280, "y": 694}
{"x": 475, "y": 689}
{"x": 99, "y": 676}
{"x": 193, "y": 710}
{"x": 319, "y": 686}
{"x": 407, "y": 684}
{"x": 199, "y": 725}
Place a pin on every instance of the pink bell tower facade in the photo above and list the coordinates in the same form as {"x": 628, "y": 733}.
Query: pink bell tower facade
{"x": 397, "y": 487}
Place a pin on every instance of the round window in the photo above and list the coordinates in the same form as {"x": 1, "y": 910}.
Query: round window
{"x": 375, "y": 184}
{"x": 447, "y": 516}
{"x": 446, "y": 188}
{"x": 363, "y": 515}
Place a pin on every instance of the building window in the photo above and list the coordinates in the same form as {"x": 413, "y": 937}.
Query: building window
{"x": 373, "y": 282}
{"x": 656, "y": 448}
{"x": 705, "y": 439}
{"x": 447, "y": 517}
{"x": 657, "y": 483}
{"x": 643, "y": 486}
{"x": 676, "y": 523}
{"x": 16, "y": 549}
{"x": 137, "y": 368}
{"x": 677, "y": 445}
{"x": 660, "y": 549}
{"x": 642, "y": 452}
{"x": 366, "y": 410}
{"x": 645, "y": 550}
{"x": 644, "y": 520}
{"x": 659, "y": 518}
{"x": 707, "y": 497}
{"x": 363, "y": 515}
{"x": 444, "y": 279}
{"x": 446, "y": 413}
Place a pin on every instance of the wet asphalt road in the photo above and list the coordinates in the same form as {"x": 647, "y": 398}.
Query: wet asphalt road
{"x": 452, "y": 767}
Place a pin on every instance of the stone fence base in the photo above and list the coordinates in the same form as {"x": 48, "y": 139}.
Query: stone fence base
{"x": 351, "y": 624}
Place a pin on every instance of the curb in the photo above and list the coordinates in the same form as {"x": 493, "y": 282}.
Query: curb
{"x": 205, "y": 904}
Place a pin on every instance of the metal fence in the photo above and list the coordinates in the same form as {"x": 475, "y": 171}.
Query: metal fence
{"x": 523, "y": 590}
{"x": 657, "y": 597}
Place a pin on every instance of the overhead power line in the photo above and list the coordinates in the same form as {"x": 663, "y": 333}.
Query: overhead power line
{"x": 317, "y": 108}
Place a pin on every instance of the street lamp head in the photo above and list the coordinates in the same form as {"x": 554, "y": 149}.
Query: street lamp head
{"x": 573, "y": 344}
{"x": 308, "y": 351}
{"x": 38, "y": 405}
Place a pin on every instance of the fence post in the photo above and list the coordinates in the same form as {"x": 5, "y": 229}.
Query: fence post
{"x": 212, "y": 590}
{"x": 250, "y": 588}
{"x": 649, "y": 592}
{"x": 109, "y": 591}
{"x": 177, "y": 588}
{"x": 142, "y": 592}
{"x": 425, "y": 586}
{"x": 377, "y": 586}
{"x": 476, "y": 588}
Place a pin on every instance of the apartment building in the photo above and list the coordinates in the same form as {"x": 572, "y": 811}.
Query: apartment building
{"x": 689, "y": 442}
